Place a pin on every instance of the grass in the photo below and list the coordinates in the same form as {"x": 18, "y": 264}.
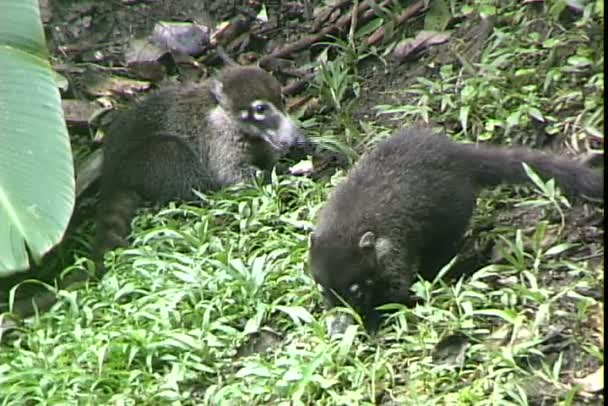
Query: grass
{"x": 212, "y": 303}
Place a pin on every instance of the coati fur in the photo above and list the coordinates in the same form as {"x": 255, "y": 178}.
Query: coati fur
{"x": 191, "y": 137}
{"x": 403, "y": 211}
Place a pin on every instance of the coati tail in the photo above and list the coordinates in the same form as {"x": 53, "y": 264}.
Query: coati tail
{"x": 492, "y": 166}
{"x": 116, "y": 209}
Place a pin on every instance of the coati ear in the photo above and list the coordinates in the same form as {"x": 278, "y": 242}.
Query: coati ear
{"x": 368, "y": 240}
{"x": 381, "y": 245}
{"x": 217, "y": 91}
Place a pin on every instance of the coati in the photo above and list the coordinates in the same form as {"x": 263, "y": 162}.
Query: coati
{"x": 403, "y": 211}
{"x": 199, "y": 136}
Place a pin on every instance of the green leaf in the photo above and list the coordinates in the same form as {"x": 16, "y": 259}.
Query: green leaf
{"x": 513, "y": 119}
{"x": 579, "y": 61}
{"x": 534, "y": 177}
{"x": 486, "y": 10}
{"x": 437, "y": 16}
{"x": 508, "y": 315}
{"x": 369, "y": 27}
{"x": 551, "y": 43}
{"x": 348, "y": 338}
{"x": 297, "y": 313}
{"x": 519, "y": 245}
{"x": 21, "y": 28}
{"x": 36, "y": 170}
{"x": 464, "y": 117}
{"x": 536, "y": 114}
{"x": 558, "y": 249}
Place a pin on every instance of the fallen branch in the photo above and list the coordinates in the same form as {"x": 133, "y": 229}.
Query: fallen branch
{"x": 340, "y": 25}
{"x": 298, "y": 85}
{"x": 324, "y": 16}
{"x": 409, "y": 12}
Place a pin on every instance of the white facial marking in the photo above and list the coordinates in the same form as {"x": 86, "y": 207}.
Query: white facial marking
{"x": 269, "y": 136}
{"x": 354, "y": 288}
{"x": 244, "y": 114}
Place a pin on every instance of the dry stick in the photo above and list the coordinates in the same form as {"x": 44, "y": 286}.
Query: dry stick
{"x": 298, "y": 85}
{"x": 371, "y": 13}
{"x": 341, "y": 24}
{"x": 221, "y": 53}
{"x": 308, "y": 10}
{"x": 353, "y": 24}
{"x": 412, "y": 10}
{"x": 317, "y": 23}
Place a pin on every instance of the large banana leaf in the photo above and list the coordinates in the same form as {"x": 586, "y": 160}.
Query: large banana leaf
{"x": 36, "y": 169}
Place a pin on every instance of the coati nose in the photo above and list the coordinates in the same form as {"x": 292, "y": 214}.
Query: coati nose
{"x": 300, "y": 139}
{"x": 289, "y": 133}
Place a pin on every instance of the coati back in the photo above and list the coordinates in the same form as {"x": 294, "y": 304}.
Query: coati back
{"x": 199, "y": 136}
{"x": 404, "y": 208}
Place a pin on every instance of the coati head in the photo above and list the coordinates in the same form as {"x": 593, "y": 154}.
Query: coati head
{"x": 253, "y": 97}
{"x": 356, "y": 274}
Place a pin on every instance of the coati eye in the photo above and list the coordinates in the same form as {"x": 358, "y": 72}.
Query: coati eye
{"x": 261, "y": 108}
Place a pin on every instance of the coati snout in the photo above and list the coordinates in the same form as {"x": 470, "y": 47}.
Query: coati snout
{"x": 262, "y": 119}
{"x": 403, "y": 209}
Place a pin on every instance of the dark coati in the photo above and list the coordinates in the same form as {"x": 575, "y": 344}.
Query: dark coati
{"x": 403, "y": 210}
{"x": 199, "y": 136}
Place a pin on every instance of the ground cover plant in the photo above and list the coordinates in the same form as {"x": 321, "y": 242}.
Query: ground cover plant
{"x": 212, "y": 303}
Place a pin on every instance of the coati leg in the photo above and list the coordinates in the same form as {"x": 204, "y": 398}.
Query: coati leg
{"x": 116, "y": 209}
{"x": 165, "y": 169}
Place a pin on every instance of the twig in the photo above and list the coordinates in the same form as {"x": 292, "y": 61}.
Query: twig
{"x": 340, "y": 25}
{"x": 323, "y": 18}
{"x": 353, "y": 24}
{"x": 410, "y": 11}
{"x": 221, "y": 53}
{"x": 308, "y": 10}
{"x": 298, "y": 85}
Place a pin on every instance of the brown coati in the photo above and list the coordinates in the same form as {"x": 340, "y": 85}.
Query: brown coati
{"x": 192, "y": 137}
{"x": 403, "y": 211}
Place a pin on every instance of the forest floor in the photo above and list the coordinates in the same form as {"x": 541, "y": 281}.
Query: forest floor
{"x": 213, "y": 304}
